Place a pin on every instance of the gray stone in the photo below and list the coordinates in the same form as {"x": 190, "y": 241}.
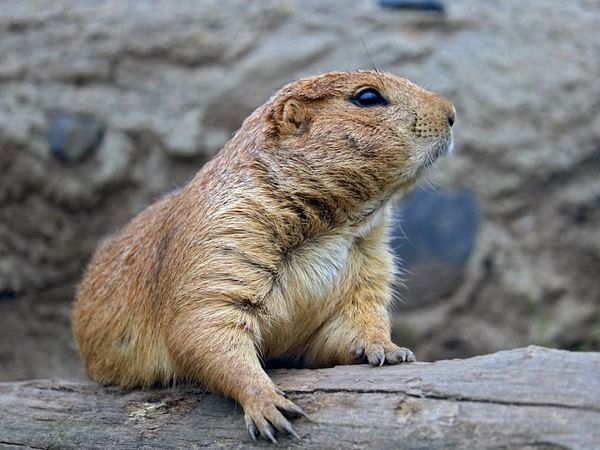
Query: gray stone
{"x": 434, "y": 237}
{"x": 71, "y": 137}
{"x": 417, "y": 5}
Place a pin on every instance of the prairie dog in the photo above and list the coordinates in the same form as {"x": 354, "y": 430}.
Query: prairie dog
{"x": 276, "y": 248}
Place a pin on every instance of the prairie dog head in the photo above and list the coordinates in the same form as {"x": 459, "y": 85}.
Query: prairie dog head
{"x": 364, "y": 135}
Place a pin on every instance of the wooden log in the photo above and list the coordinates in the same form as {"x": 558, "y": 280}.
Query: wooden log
{"x": 526, "y": 398}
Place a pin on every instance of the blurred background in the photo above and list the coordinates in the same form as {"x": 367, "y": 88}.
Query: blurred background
{"x": 106, "y": 105}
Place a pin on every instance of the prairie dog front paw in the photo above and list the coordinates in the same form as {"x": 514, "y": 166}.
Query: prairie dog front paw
{"x": 265, "y": 411}
{"x": 379, "y": 353}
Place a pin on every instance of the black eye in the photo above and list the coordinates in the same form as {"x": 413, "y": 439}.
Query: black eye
{"x": 368, "y": 97}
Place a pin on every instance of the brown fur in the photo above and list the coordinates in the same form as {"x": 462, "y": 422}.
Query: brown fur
{"x": 276, "y": 248}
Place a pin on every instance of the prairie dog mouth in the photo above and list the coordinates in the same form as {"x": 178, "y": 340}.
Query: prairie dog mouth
{"x": 439, "y": 148}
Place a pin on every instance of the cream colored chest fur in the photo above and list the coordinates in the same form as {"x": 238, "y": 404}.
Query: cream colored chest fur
{"x": 313, "y": 282}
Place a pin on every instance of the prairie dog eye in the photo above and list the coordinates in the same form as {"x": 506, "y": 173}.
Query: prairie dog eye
{"x": 368, "y": 97}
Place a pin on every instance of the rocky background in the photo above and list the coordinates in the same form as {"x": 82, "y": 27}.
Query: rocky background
{"x": 106, "y": 105}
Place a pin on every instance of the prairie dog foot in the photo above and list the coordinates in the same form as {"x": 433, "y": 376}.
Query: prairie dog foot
{"x": 265, "y": 413}
{"x": 378, "y": 353}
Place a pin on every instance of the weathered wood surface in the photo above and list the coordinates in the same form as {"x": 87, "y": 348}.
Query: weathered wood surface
{"x": 525, "y": 398}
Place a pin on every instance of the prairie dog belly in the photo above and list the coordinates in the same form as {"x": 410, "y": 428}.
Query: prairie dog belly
{"x": 306, "y": 293}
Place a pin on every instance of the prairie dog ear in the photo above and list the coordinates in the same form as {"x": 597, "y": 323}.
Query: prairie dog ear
{"x": 293, "y": 118}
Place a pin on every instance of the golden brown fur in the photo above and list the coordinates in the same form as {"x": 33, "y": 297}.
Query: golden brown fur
{"x": 276, "y": 248}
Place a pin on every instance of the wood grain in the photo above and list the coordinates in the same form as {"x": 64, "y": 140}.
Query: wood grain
{"x": 525, "y": 398}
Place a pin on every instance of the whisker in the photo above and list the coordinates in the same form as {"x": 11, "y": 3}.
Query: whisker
{"x": 368, "y": 53}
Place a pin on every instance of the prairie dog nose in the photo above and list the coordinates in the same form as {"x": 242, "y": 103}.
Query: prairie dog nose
{"x": 451, "y": 116}
{"x": 435, "y": 117}
{"x": 448, "y": 110}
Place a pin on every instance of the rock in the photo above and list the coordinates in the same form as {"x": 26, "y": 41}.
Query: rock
{"x": 437, "y": 234}
{"x": 418, "y": 5}
{"x": 71, "y": 137}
